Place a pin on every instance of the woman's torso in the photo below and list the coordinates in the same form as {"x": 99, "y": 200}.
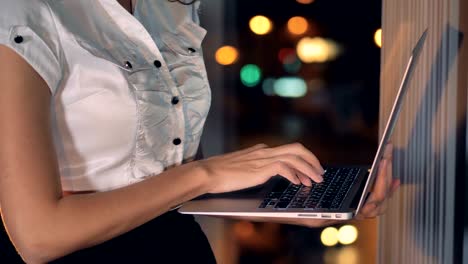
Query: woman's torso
{"x": 133, "y": 95}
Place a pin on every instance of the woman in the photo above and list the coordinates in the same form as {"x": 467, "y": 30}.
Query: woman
{"x": 102, "y": 107}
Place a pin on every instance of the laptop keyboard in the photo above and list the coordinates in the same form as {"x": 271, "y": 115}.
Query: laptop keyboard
{"x": 328, "y": 194}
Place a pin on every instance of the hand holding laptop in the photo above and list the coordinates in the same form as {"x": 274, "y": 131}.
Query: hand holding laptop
{"x": 385, "y": 186}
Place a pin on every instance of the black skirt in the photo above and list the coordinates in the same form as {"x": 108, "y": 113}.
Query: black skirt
{"x": 169, "y": 238}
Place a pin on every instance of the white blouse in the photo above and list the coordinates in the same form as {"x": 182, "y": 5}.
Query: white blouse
{"x": 130, "y": 93}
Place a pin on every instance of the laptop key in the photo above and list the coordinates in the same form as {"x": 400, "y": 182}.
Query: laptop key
{"x": 280, "y": 186}
{"x": 263, "y": 204}
{"x": 311, "y": 204}
{"x": 335, "y": 205}
{"x": 282, "y": 205}
{"x": 324, "y": 204}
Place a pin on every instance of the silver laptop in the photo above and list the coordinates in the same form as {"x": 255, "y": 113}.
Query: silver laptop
{"x": 340, "y": 196}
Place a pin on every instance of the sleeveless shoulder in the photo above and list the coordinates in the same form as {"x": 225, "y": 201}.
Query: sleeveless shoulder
{"x": 28, "y": 27}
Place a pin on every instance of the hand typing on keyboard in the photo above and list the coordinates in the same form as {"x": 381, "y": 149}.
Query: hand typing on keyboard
{"x": 253, "y": 166}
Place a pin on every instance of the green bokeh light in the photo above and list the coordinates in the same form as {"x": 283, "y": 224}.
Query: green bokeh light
{"x": 293, "y": 87}
{"x": 250, "y": 75}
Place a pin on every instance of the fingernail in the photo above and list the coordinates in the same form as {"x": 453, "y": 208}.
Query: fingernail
{"x": 320, "y": 178}
{"x": 320, "y": 171}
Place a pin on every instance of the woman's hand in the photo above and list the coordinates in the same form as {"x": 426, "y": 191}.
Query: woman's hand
{"x": 254, "y": 166}
{"x": 383, "y": 188}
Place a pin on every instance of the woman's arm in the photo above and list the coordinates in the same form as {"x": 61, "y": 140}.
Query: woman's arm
{"x": 44, "y": 225}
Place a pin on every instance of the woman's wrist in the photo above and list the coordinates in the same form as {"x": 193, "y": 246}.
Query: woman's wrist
{"x": 203, "y": 176}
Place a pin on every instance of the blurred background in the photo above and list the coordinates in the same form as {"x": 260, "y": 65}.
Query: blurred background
{"x": 293, "y": 71}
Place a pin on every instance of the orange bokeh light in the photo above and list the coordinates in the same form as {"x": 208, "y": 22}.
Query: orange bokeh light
{"x": 297, "y": 25}
{"x": 226, "y": 55}
{"x": 305, "y": 2}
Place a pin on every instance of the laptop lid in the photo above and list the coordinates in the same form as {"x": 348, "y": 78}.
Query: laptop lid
{"x": 396, "y": 109}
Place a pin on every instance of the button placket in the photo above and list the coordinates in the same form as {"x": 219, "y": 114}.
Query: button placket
{"x": 152, "y": 55}
{"x": 178, "y": 113}
{"x": 175, "y": 98}
{"x": 148, "y": 54}
{"x": 179, "y": 134}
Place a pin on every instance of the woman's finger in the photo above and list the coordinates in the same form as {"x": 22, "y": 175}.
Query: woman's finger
{"x": 388, "y": 151}
{"x": 380, "y": 189}
{"x": 375, "y": 208}
{"x": 278, "y": 168}
{"x": 297, "y": 163}
{"x": 373, "y": 214}
{"x": 368, "y": 208}
{"x": 382, "y": 209}
{"x": 388, "y": 156}
{"x": 304, "y": 179}
{"x": 300, "y": 150}
{"x": 360, "y": 216}
{"x": 394, "y": 187}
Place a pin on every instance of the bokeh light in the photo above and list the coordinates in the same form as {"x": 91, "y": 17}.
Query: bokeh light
{"x": 297, "y": 25}
{"x": 378, "y": 37}
{"x": 348, "y": 255}
{"x": 289, "y": 59}
{"x": 285, "y": 53}
{"x": 292, "y": 87}
{"x": 317, "y": 50}
{"x": 347, "y": 234}
{"x": 329, "y": 236}
{"x": 260, "y": 25}
{"x": 305, "y": 2}
{"x": 292, "y": 64}
{"x": 342, "y": 255}
{"x": 226, "y": 55}
{"x": 250, "y": 75}
{"x": 268, "y": 86}
{"x": 244, "y": 229}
